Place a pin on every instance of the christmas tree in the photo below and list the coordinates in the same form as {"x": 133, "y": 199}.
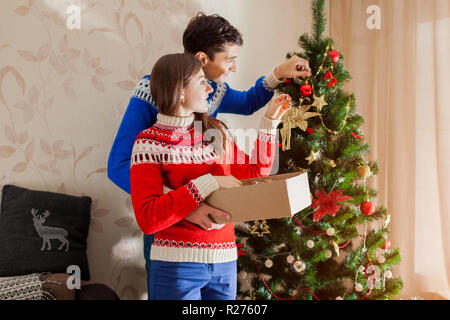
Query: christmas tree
{"x": 326, "y": 251}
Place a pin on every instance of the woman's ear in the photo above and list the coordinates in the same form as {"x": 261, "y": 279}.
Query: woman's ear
{"x": 202, "y": 57}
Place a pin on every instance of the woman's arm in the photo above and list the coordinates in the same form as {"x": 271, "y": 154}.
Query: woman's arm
{"x": 155, "y": 210}
{"x": 260, "y": 162}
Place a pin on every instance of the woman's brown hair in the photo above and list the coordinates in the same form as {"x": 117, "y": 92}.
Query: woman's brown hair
{"x": 170, "y": 74}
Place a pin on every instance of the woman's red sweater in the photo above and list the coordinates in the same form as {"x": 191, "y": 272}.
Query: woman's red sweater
{"x": 175, "y": 153}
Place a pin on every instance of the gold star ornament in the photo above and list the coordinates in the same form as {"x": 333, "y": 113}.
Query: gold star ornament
{"x": 319, "y": 103}
{"x": 313, "y": 156}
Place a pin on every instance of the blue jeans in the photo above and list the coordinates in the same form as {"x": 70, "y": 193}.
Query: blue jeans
{"x": 193, "y": 281}
{"x": 148, "y": 241}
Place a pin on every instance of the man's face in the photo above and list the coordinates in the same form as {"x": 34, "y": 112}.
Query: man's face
{"x": 224, "y": 62}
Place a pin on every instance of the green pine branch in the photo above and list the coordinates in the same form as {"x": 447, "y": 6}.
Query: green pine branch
{"x": 319, "y": 20}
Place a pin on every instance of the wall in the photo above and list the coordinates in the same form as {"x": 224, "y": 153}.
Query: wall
{"x": 63, "y": 93}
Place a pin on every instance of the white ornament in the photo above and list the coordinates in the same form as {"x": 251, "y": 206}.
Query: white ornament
{"x": 359, "y": 287}
{"x": 378, "y": 252}
{"x": 268, "y": 263}
{"x": 381, "y": 259}
{"x": 339, "y": 298}
{"x": 328, "y": 254}
{"x": 330, "y": 232}
{"x": 290, "y": 259}
{"x": 388, "y": 274}
{"x": 299, "y": 266}
{"x": 310, "y": 244}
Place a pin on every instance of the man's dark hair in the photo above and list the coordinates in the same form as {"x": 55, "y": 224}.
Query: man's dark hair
{"x": 209, "y": 34}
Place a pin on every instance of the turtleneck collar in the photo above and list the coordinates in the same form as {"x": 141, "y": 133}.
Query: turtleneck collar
{"x": 174, "y": 121}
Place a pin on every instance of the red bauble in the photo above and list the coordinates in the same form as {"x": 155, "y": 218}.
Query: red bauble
{"x": 306, "y": 90}
{"x": 367, "y": 208}
{"x": 328, "y": 75}
{"x": 387, "y": 245}
{"x": 310, "y": 131}
{"x": 334, "y": 55}
{"x": 288, "y": 81}
{"x": 332, "y": 82}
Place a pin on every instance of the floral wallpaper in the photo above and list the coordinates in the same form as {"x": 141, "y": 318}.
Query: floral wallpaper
{"x": 66, "y": 74}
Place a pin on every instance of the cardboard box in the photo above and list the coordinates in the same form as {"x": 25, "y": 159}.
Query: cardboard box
{"x": 277, "y": 196}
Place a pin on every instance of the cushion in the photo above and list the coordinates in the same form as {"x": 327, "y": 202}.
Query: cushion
{"x": 36, "y": 286}
{"x": 27, "y": 287}
{"x": 43, "y": 232}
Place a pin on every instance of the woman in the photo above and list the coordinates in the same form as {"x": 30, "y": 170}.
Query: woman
{"x": 189, "y": 260}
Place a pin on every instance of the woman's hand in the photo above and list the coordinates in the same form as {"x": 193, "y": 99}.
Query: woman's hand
{"x": 227, "y": 182}
{"x": 278, "y": 107}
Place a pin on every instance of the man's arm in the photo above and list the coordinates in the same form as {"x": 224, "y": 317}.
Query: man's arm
{"x": 140, "y": 115}
{"x": 227, "y": 100}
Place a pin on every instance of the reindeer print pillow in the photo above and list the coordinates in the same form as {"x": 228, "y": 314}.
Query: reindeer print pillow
{"x": 42, "y": 232}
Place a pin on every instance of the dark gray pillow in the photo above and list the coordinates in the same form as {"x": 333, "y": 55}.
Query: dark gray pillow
{"x": 43, "y": 232}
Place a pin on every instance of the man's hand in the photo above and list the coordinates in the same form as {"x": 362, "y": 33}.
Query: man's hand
{"x": 292, "y": 68}
{"x": 200, "y": 217}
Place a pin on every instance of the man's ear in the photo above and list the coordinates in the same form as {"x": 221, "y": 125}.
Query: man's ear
{"x": 202, "y": 57}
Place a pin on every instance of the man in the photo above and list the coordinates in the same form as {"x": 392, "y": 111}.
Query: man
{"x": 216, "y": 44}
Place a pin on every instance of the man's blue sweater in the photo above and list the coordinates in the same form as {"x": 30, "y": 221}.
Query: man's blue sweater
{"x": 141, "y": 115}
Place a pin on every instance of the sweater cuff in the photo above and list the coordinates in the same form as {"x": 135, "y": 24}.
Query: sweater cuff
{"x": 268, "y": 130}
{"x": 206, "y": 185}
{"x": 272, "y": 81}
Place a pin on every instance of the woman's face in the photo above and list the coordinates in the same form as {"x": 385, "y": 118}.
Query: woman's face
{"x": 195, "y": 95}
